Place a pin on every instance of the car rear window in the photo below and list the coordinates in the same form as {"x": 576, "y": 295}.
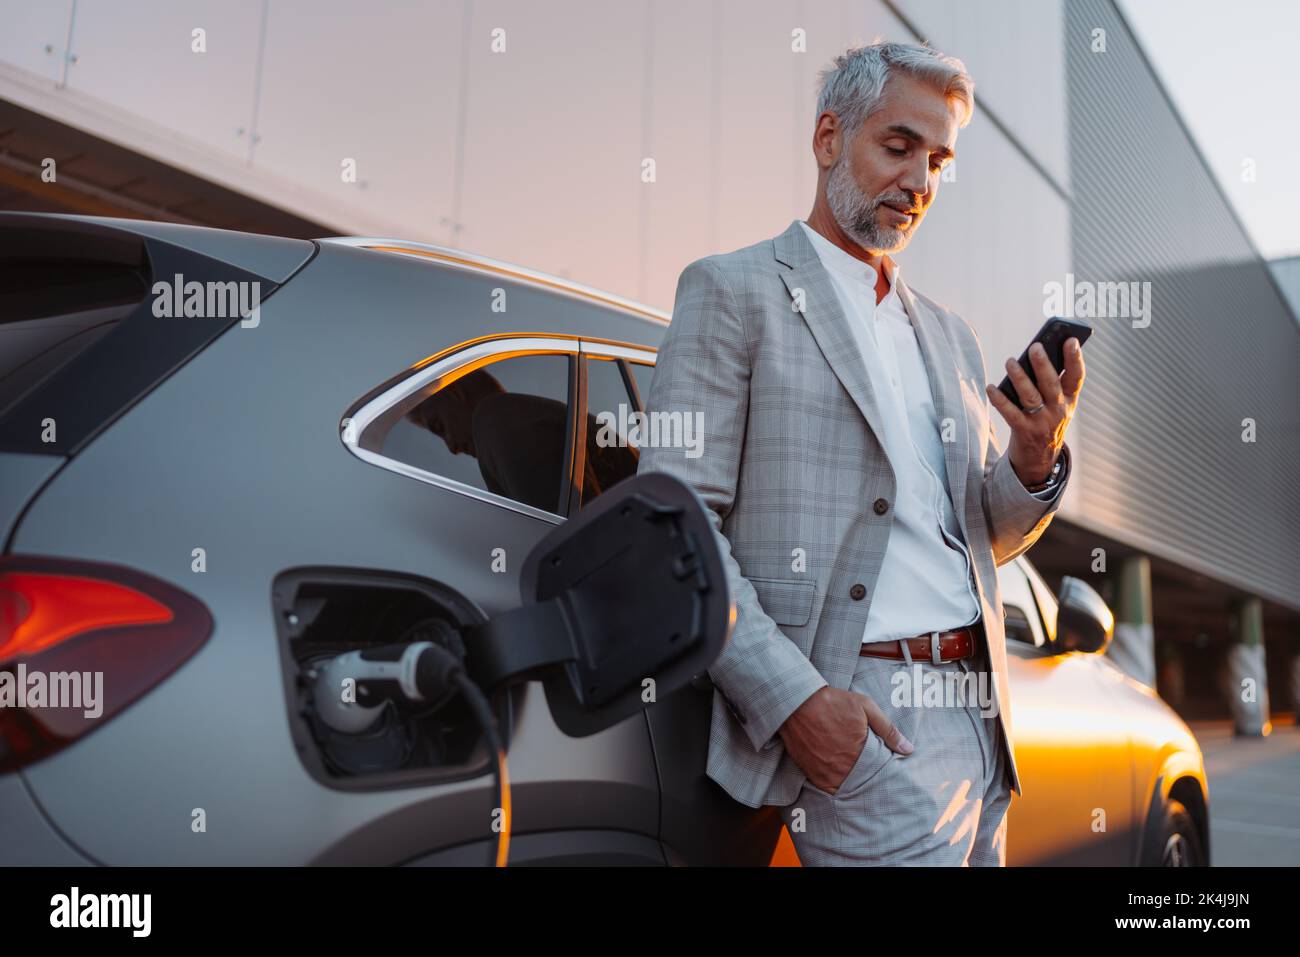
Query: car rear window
{"x": 51, "y": 310}
{"x": 79, "y": 339}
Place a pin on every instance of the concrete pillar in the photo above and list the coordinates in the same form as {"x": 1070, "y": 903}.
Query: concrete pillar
{"x": 1294, "y": 686}
{"x": 1246, "y": 674}
{"x": 1173, "y": 675}
{"x": 1133, "y": 647}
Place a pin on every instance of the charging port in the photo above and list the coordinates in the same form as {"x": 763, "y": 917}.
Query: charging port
{"x": 322, "y": 613}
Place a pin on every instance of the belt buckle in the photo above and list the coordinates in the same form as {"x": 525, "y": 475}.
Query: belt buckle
{"x": 934, "y": 649}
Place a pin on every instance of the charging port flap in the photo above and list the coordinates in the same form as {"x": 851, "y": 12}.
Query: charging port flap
{"x": 623, "y": 604}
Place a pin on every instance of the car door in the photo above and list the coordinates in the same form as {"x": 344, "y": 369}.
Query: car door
{"x": 701, "y": 824}
{"x": 491, "y": 426}
{"x": 1071, "y": 743}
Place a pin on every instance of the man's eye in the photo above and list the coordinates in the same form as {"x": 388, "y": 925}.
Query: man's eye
{"x": 895, "y": 151}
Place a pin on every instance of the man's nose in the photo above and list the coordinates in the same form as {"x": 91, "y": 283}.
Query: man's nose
{"x": 916, "y": 183}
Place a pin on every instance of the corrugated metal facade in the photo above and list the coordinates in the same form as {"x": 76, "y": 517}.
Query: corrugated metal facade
{"x": 1167, "y": 469}
{"x": 1287, "y": 273}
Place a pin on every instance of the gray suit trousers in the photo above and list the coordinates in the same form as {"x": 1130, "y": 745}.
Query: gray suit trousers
{"x": 945, "y": 804}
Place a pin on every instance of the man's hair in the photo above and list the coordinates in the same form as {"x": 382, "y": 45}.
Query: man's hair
{"x": 851, "y": 89}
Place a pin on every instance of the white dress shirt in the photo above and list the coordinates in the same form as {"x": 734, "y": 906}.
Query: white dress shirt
{"x": 926, "y": 582}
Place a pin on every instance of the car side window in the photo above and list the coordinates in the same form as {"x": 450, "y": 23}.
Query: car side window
{"x": 502, "y": 427}
{"x": 1046, "y": 600}
{"x": 1019, "y": 611}
{"x": 610, "y": 455}
{"x": 643, "y": 375}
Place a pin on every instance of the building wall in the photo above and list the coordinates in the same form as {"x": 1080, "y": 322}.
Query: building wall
{"x": 1287, "y": 273}
{"x": 1168, "y": 470}
{"x": 1073, "y": 163}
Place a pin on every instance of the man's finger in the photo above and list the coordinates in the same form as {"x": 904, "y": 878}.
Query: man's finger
{"x": 1072, "y": 376}
{"x": 880, "y": 725}
{"x": 1049, "y": 383}
{"x": 1006, "y": 408}
{"x": 1025, "y": 388}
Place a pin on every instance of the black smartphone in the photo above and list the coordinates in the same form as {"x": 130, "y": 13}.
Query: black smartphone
{"x": 1053, "y": 335}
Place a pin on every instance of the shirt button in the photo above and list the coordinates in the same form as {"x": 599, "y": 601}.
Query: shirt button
{"x": 858, "y": 592}
{"x": 881, "y": 506}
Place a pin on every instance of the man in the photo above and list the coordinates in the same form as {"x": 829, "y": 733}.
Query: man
{"x": 850, "y": 469}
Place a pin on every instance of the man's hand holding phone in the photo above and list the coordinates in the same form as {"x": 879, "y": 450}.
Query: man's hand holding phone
{"x": 1038, "y": 425}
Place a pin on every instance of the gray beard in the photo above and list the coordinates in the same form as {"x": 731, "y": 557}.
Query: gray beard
{"x": 856, "y": 214}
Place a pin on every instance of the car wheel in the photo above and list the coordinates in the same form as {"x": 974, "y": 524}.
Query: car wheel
{"x": 1177, "y": 842}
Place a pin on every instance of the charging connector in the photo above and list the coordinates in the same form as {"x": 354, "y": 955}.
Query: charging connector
{"x": 352, "y": 690}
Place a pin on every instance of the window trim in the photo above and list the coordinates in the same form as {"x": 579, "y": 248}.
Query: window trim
{"x": 600, "y": 350}
{"x": 451, "y": 364}
{"x": 626, "y": 355}
{"x": 607, "y": 349}
{"x": 1042, "y": 593}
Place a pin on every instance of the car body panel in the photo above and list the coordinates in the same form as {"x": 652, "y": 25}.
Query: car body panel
{"x": 1067, "y": 816}
{"x": 21, "y": 477}
{"x": 27, "y": 837}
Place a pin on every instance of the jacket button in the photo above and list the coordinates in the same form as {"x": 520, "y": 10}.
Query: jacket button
{"x": 881, "y": 506}
{"x": 858, "y": 592}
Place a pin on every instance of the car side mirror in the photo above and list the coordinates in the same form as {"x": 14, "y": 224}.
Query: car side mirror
{"x": 1084, "y": 622}
{"x": 626, "y": 596}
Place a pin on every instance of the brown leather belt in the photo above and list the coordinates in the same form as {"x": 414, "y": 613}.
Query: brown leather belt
{"x": 936, "y": 647}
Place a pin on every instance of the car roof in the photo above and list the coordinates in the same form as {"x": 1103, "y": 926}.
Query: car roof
{"x": 460, "y": 259}
{"x": 273, "y": 257}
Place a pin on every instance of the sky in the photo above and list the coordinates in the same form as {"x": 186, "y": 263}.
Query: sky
{"x": 1230, "y": 70}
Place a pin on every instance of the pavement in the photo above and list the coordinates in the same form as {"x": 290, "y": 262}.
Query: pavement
{"x": 1254, "y": 794}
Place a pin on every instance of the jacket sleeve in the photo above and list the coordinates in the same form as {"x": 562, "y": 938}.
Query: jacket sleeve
{"x": 1016, "y": 517}
{"x": 703, "y": 375}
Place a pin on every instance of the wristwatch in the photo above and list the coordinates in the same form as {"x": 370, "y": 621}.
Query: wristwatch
{"x": 1054, "y": 478}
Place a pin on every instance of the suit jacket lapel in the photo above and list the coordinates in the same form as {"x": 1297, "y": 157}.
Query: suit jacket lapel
{"x": 941, "y": 366}
{"x": 830, "y": 327}
{"x": 826, "y": 319}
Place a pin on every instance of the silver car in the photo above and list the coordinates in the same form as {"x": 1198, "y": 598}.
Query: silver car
{"x": 232, "y": 465}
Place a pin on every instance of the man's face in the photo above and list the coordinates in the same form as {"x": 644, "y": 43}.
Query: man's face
{"x": 883, "y": 181}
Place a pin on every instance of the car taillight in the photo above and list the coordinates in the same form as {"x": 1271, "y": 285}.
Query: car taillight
{"x": 79, "y": 642}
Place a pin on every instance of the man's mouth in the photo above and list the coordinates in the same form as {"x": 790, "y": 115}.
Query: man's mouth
{"x": 904, "y": 212}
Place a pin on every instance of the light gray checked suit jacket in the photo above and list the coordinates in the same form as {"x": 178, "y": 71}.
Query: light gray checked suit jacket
{"x": 792, "y": 468}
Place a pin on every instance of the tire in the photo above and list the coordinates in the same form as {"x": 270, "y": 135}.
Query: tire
{"x": 1176, "y": 841}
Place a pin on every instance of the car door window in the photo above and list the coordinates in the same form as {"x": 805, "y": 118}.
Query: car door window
{"x": 610, "y": 456}
{"x": 1018, "y": 607}
{"x": 642, "y": 375}
{"x": 503, "y": 427}
{"x": 1044, "y": 598}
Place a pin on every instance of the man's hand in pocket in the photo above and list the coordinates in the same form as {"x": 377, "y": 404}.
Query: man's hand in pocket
{"x": 827, "y": 732}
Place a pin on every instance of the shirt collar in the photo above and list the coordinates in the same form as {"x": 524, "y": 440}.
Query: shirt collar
{"x": 833, "y": 257}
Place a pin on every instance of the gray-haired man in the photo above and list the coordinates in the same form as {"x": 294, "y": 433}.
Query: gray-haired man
{"x": 851, "y": 470}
